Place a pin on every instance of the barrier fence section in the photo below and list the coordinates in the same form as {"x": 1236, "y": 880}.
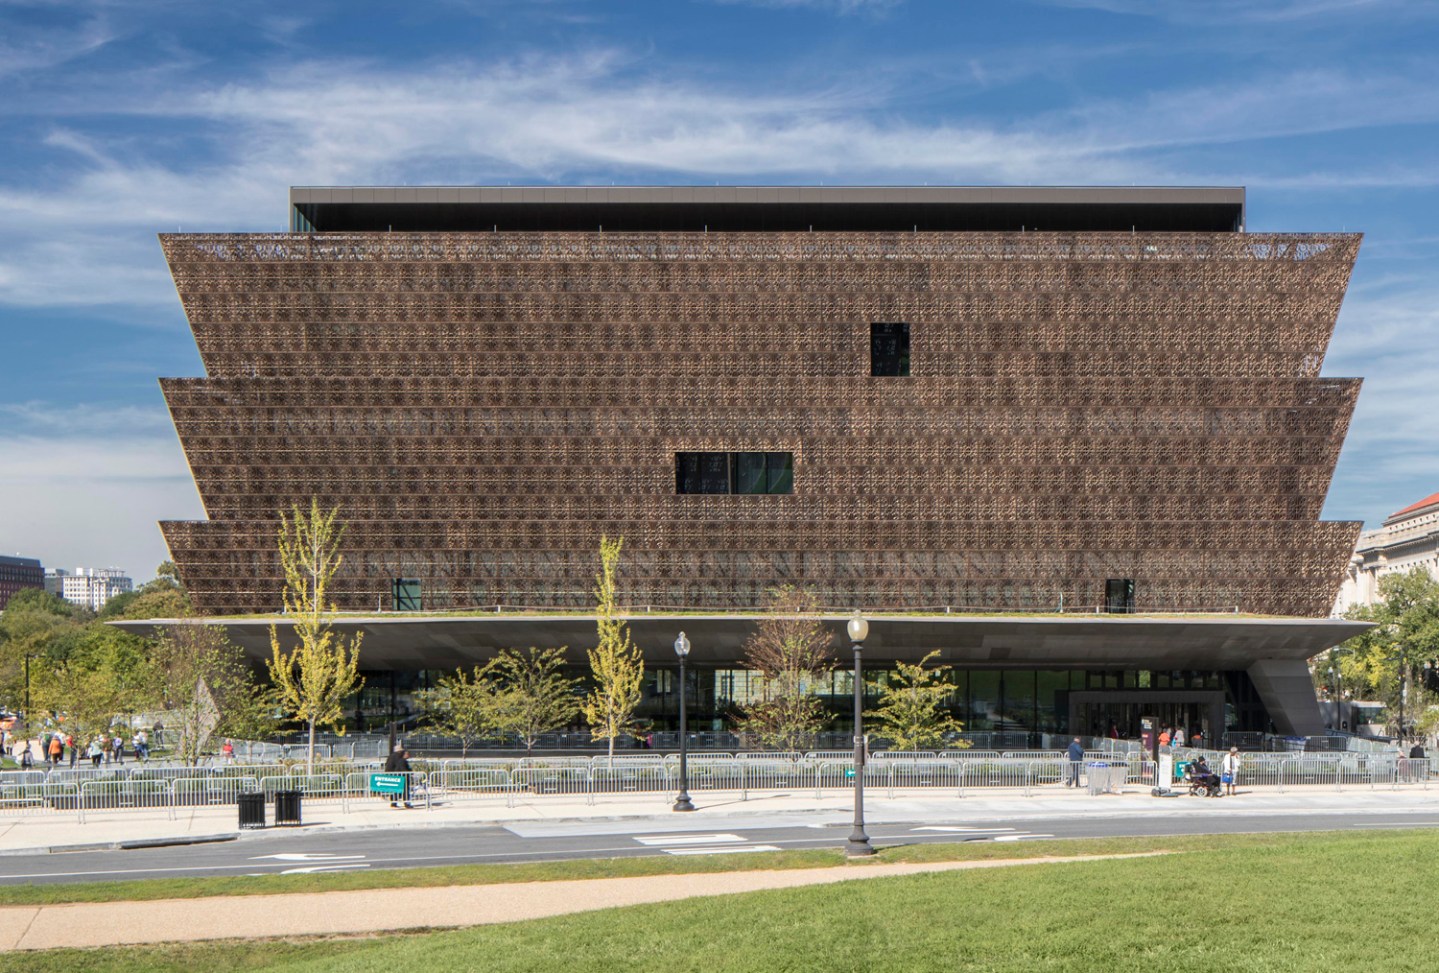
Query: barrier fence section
{"x": 89, "y": 791}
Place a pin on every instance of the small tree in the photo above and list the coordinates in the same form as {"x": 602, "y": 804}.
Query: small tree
{"x": 911, "y": 711}
{"x": 459, "y": 706}
{"x": 530, "y": 694}
{"x": 204, "y": 686}
{"x": 616, "y": 665}
{"x": 314, "y": 678}
{"x": 790, "y": 649}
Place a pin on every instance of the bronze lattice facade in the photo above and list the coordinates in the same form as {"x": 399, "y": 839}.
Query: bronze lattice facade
{"x": 1081, "y": 405}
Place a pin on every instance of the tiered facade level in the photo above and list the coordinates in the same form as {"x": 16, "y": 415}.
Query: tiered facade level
{"x": 1080, "y": 407}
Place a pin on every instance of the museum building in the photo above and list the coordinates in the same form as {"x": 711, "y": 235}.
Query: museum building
{"x": 1077, "y": 439}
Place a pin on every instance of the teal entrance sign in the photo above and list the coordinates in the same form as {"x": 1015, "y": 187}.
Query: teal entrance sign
{"x": 387, "y": 783}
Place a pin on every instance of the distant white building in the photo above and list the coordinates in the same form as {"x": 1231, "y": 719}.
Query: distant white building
{"x": 1408, "y": 539}
{"x": 91, "y": 587}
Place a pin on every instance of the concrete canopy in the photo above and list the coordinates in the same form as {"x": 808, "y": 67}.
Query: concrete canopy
{"x": 1107, "y": 641}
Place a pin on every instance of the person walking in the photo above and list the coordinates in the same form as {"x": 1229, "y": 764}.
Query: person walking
{"x": 1229, "y": 771}
{"x": 96, "y": 752}
{"x": 118, "y": 749}
{"x": 74, "y": 750}
{"x": 1076, "y": 757}
{"x": 398, "y": 762}
{"x": 57, "y": 750}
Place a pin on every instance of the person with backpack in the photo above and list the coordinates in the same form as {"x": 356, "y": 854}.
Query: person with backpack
{"x": 399, "y": 763}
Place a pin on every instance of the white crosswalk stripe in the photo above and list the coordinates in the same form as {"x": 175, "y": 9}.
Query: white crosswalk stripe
{"x": 984, "y": 834}
{"x": 687, "y": 839}
{"x": 701, "y": 844}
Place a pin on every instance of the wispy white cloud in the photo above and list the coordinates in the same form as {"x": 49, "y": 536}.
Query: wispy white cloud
{"x": 1232, "y": 12}
{"x": 31, "y": 49}
{"x": 833, "y": 6}
{"x": 93, "y": 499}
{"x": 594, "y": 117}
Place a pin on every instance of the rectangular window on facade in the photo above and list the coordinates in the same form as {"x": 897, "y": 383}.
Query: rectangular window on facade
{"x": 889, "y": 349}
{"x": 750, "y": 473}
{"x": 742, "y": 473}
{"x": 1119, "y": 596}
{"x": 406, "y": 594}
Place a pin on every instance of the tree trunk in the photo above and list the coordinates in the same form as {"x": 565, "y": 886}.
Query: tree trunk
{"x": 610, "y": 763}
{"x": 310, "y": 755}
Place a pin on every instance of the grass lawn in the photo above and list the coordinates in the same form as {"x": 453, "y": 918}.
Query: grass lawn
{"x": 193, "y": 888}
{"x": 1279, "y": 903}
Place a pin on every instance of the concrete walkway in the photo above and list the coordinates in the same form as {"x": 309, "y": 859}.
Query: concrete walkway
{"x": 88, "y": 925}
{"x": 42, "y": 831}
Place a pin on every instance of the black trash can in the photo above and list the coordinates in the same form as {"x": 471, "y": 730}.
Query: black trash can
{"x": 252, "y": 809}
{"x": 287, "y": 808}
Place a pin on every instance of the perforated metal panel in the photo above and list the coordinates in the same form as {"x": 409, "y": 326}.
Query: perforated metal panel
{"x": 483, "y": 406}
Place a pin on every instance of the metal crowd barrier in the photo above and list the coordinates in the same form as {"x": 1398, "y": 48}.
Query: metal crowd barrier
{"x": 88, "y": 790}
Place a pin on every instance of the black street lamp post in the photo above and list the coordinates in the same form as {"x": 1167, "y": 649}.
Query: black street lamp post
{"x": 858, "y": 844}
{"x": 682, "y": 801}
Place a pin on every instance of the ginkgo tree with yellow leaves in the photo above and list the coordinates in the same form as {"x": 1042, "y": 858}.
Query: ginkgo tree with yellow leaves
{"x": 313, "y": 679}
{"x": 616, "y": 666}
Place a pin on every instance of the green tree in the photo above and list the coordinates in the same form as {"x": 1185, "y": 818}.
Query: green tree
{"x": 912, "y": 713}
{"x": 313, "y": 679}
{"x": 459, "y": 706}
{"x": 204, "y": 686}
{"x": 790, "y": 649}
{"x": 36, "y": 629}
{"x": 90, "y": 676}
{"x": 1385, "y": 663}
{"x": 530, "y": 693}
{"x": 164, "y": 597}
{"x": 616, "y": 666}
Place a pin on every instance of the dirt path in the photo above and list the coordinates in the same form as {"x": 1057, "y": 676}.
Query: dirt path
{"x": 379, "y": 910}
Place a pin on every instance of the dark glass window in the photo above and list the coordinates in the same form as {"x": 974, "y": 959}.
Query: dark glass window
{"x": 780, "y": 468}
{"x": 1119, "y": 596}
{"x": 746, "y": 473}
{"x": 889, "y": 349}
{"x": 406, "y": 592}
{"x": 750, "y": 473}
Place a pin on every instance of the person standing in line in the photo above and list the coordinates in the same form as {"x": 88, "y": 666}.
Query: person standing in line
{"x": 399, "y": 763}
{"x": 1076, "y": 757}
{"x": 1229, "y": 768}
{"x": 1164, "y": 739}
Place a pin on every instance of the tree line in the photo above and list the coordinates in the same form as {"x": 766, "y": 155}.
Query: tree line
{"x": 65, "y": 666}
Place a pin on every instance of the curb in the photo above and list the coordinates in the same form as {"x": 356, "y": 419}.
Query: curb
{"x": 122, "y": 845}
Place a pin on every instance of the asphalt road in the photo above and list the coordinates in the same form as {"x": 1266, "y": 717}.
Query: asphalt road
{"x": 320, "y": 851}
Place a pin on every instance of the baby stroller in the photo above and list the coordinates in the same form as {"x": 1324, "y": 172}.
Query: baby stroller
{"x": 1203, "y": 782}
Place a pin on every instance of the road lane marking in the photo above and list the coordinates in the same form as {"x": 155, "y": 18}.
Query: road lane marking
{"x": 308, "y": 857}
{"x": 320, "y": 868}
{"x": 953, "y": 830}
{"x": 1022, "y": 837}
{"x": 687, "y": 839}
{"x": 722, "y": 850}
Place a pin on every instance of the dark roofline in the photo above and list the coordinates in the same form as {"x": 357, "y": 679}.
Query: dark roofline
{"x": 767, "y": 208}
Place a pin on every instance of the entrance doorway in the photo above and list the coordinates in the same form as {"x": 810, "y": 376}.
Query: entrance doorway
{"x": 1104, "y": 714}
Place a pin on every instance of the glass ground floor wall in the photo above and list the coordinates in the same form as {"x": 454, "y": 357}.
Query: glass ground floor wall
{"x": 1088, "y": 702}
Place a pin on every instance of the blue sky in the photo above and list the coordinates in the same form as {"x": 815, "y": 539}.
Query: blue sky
{"x": 122, "y": 119}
